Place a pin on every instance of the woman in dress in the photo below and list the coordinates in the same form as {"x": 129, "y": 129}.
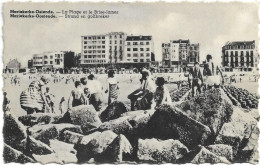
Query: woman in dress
{"x": 33, "y": 99}
{"x": 112, "y": 87}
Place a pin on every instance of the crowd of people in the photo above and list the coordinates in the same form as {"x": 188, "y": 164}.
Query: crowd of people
{"x": 88, "y": 90}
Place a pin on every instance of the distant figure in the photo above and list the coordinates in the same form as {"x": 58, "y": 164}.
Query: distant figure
{"x": 61, "y": 105}
{"x": 76, "y": 97}
{"x": 197, "y": 79}
{"x": 240, "y": 79}
{"x": 49, "y": 99}
{"x": 209, "y": 72}
{"x": 33, "y": 99}
{"x": 6, "y": 103}
{"x": 95, "y": 90}
{"x": 161, "y": 94}
{"x": 142, "y": 98}
{"x": 112, "y": 87}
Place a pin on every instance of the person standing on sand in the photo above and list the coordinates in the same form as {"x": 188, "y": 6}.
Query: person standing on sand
{"x": 112, "y": 87}
{"x": 95, "y": 90}
{"x": 49, "y": 99}
{"x": 76, "y": 97}
{"x": 33, "y": 99}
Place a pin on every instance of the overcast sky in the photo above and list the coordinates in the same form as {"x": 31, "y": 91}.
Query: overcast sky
{"x": 210, "y": 24}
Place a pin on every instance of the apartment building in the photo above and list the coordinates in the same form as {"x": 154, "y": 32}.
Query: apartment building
{"x": 139, "y": 49}
{"x": 240, "y": 55}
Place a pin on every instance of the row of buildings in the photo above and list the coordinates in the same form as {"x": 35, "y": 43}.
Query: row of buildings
{"x": 178, "y": 54}
{"x": 120, "y": 50}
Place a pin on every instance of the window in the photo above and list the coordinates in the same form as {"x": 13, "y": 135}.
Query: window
{"x": 141, "y": 49}
{"x": 115, "y": 36}
{"x": 135, "y": 54}
{"x": 147, "y": 54}
{"x": 128, "y": 49}
{"x": 89, "y": 38}
{"x": 51, "y": 62}
{"x": 147, "y": 60}
{"x": 128, "y": 55}
{"x": 141, "y": 54}
{"x": 120, "y": 41}
{"x": 103, "y": 42}
{"x": 120, "y": 36}
{"x": 147, "y": 43}
{"x": 110, "y": 36}
{"x": 103, "y": 46}
{"x": 135, "y": 60}
{"x": 135, "y": 43}
{"x": 141, "y": 60}
{"x": 135, "y": 49}
{"x": 103, "y": 37}
{"x": 147, "y": 49}
{"x": 141, "y": 43}
{"x": 51, "y": 57}
{"x": 110, "y": 42}
{"x": 115, "y": 42}
{"x": 85, "y": 56}
{"x": 45, "y": 62}
{"x": 103, "y": 56}
{"x": 128, "y": 43}
{"x": 99, "y": 38}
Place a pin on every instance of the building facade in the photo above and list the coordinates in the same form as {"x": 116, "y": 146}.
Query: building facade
{"x": 139, "y": 49}
{"x": 116, "y": 46}
{"x": 94, "y": 49}
{"x": 13, "y": 66}
{"x": 178, "y": 54}
{"x": 240, "y": 56}
{"x": 55, "y": 60}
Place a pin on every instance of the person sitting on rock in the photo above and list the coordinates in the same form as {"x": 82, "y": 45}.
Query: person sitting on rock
{"x": 142, "y": 98}
{"x": 161, "y": 94}
{"x": 76, "y": 97}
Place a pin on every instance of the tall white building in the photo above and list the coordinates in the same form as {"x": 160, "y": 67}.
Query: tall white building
{"x": 116, "y": 46}
{"x": 139, "y": 49}
{"x": 101, "y": 49}
{"x": 94, "y": 48}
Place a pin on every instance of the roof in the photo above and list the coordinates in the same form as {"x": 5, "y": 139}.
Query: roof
{"x": 180, "y": 41}
{"x": 138, "y": 38}
{"x": 240, "y": 43}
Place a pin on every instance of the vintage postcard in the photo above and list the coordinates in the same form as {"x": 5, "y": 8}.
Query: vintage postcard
{"x": 130, "y": 83}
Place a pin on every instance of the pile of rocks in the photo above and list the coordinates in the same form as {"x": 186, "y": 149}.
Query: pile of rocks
{"x": 242, "y": 97}
{"x": 205, "y": 129}
{"x": 177, "y": 95}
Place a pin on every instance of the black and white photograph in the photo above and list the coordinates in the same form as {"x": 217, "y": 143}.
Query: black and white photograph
{"x": 130, "y": 82}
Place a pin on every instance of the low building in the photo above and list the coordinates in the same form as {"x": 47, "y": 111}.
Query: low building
{"x": 53, "y": 60}
{"x": 13, "y": 66}
{"x": 240, "y": 56}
